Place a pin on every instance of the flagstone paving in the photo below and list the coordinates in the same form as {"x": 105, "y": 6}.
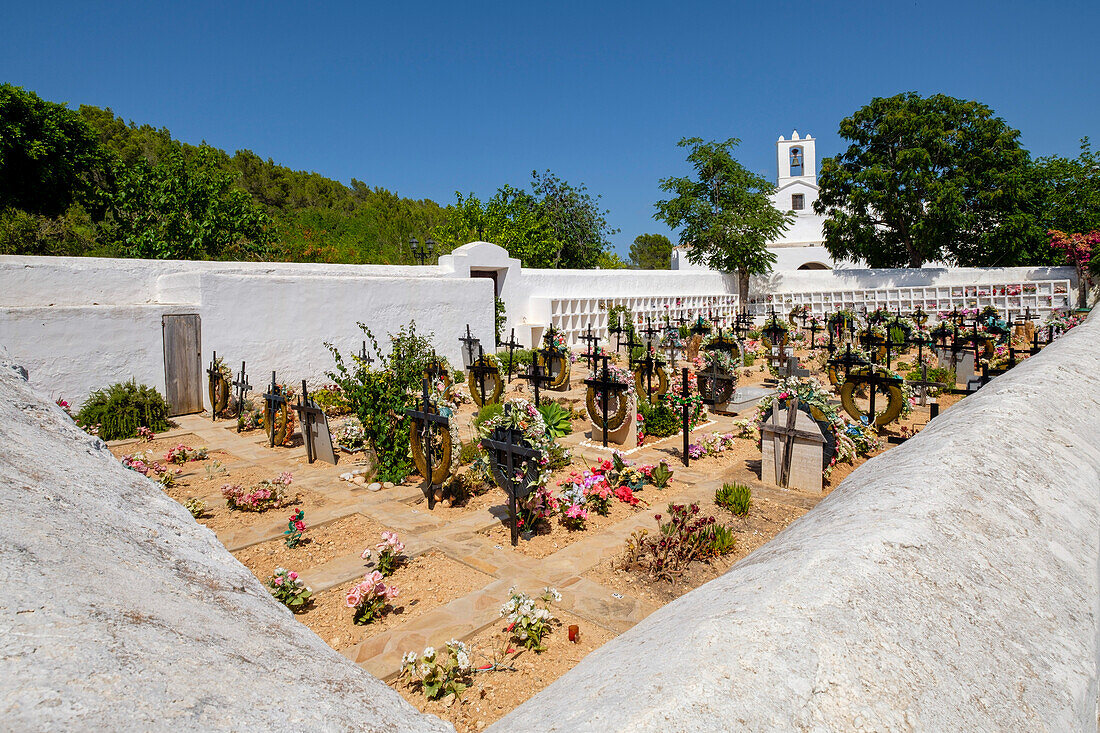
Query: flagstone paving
{"x": 460, "y": 538}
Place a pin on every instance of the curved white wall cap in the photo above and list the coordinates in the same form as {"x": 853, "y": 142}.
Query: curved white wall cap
{"x": 948, "y": 584}
{"x": 477, "y": 255}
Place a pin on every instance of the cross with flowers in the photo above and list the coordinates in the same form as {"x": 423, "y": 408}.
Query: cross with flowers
{"x": 511, "y": 460}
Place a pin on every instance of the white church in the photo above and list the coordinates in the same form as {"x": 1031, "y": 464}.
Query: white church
{"x": 801, "y": 247}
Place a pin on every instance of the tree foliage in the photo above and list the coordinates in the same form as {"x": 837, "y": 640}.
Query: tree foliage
{"x": 1072, "y": 187}
{"x": 926, "y": 179}
{"x": 555, "y": 224}
{"x": 49, "y": 157}
{"x": 724, "y": 213}
{"x": 651, "y": 252}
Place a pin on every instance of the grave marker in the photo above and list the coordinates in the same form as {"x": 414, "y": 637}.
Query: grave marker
{"x": 508, "y": 454}
{"x": 314, "y": 429}
{"x": 470, "y": 344}
{"x": 275, "y": 406}
{"x": 792, "y": 448}
{"x": 512, "y": 345}
{"x": 605, "y": 388}
{"x": 241, "y": 386}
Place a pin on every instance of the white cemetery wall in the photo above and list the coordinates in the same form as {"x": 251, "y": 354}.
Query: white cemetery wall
{"x": 78, "y": 324}
{"x": 173, "y": 633}
{"x": 948, "y": 584}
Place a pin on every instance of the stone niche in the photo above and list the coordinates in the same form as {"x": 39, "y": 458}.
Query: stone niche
{"x": 807, "y": 451}
{"x": 626, "y": 435}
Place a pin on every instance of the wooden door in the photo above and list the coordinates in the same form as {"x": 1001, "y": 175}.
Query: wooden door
{"x": 182, "y": 363}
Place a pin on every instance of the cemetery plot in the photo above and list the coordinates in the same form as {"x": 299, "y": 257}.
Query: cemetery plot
{"x": 424, "y": 583}
{"x": 553, "y": 534}
{"x": 514, "y": 678}
{"x": 158, "y": 449}
{"x": 343, "y": 537}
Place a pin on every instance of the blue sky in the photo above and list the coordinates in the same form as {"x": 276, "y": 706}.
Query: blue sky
{"x": 429, "y": 98}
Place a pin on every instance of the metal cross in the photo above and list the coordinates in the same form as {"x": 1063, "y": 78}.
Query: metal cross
{"x": 650, "y": 364}
{"x": 364, "y": 356}
{"x": 923, "y": 384}
{"x": 469, "y": 342}
{"x": 241, "y": 386}
{"x": 536, "y": 378}
{"x": 480, "y": 369}
{"x": 272, "y": 401}
{"x": 212, "y": 374}
{"x": 510, "y": 454}
{"x": 512, "y": 346}
{"x": 424, "y": 419}
{"x": 605, "y": 387}
{"x": 649, "y": 331}
{"x": 847, "y": 360}
{"x": 593, "y": 341}
{"x": 307, "y": 415}
{"x": 685, "y": 392}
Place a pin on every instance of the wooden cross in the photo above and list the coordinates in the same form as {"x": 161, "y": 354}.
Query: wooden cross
{"x": 536, "y": 378}
{"x": 605, "y": 387}
{"x": 512, "y": 462}
{"x": 424, "y": 419}
{"x": 307, "y": 415}
{"x": 512, "y": 346}
{"x": 212, "y": 374}
{"x": 272, "y": 401}
{"x": 469, "y": 342}
{"x": 783, "y": 437}
{"x": 242, "y": 386}
{"x": 592, "y": 340}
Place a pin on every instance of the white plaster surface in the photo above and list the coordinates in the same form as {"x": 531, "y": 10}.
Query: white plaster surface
{"x": 119, "y": 612}
{"x": 950, "y": 584}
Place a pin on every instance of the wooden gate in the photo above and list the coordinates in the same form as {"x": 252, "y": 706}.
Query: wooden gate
{"x": 182, "y": 363}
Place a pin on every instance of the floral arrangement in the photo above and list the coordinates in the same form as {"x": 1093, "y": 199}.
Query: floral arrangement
{"x": 295, "y": 528}
{"x": 289, "y": 590}
{"x": 684, "y": 538}
{"x": 539, "y": 504}
{"x": 352, "y": 435}
{"x": 675, "y": 399}
{"x": 626, "y": 496}
{"x": 528, "y": 622}
{"x": 389, "y": 553}
{"x": 145, "y": 435}
{"x": 268, "y": 494}
{"x": 183, "y": 453}
{"x": 369, "y": 598}
{"x": 572, "y": 503}
{"x": 143, "y": 463}
{"x": 437, "y": 675}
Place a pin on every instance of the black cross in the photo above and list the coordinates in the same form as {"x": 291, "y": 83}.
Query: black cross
{"x": 470, "y": 344}
{"x": 815, "y": 326}
{"x": 920, "y": 341}
{"x": 919, "y": 317}
{"x": 649, "y": 331}
{"x": 721, "y": 342}
{"x": 874, "y": 380}
{"x": 774, "y": 330}
{"x": 1022, "y": 320}
{"x": 593, "y": 341}
{"x": 509, "y": 453}
{"x": 681, "y": 321}
{"x": 923, "y": 384}
{"x": 673, "y": 348}
{"x": 701, "y": 327}
{"x": 742, "y": 324}
{"x": 871, "y": 341}
{"x": 212, "y": 375}
{"x": 685, "y": 392}
{"x": 481, "y": 368}
{"x": 650, "y": 363}
{"x": 307, "y": 415}
{"x": 714, "y": 378}
{"x": 605, "y": 387}
{"x": 364, "y": 356}
{"x": 631, "y": 344}
{"x": 847, "y": 360}
{"x": 548, "y": 337}
{"x": 242, "y": 386}
{"x": 272, "y": 401}
{"x": 512, "y": 346}
{"x": 536, "y": 378}
{"x": 424, "y": 419}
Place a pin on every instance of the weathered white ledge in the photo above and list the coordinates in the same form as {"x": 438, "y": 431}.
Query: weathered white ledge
{"x": 119, "y": 612}
{"x": 950, "y": 584}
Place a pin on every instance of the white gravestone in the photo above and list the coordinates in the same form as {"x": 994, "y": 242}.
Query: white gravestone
{"x": 807, "y": 451}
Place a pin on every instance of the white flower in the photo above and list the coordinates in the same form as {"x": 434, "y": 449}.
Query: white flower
{"x": 409, "y": 658}
{"x": 429, "y": 652}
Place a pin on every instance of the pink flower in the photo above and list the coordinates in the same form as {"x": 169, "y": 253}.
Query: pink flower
{"x": 293, "y": 575}
{"x": 278, "y": 580}
{"x": 366, "y": 554}
{"x": 355, "y": 596}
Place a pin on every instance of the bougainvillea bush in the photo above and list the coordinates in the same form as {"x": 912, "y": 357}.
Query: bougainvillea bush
{"x": 268, "y": 494}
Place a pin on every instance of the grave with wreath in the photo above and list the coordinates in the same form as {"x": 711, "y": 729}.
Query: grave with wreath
{"x": 219, "y": 378}
{"x": 431, "y": 442}
{"x": 555, "y": 358}
{"x": 611, "y": 407}
{"x": 483, "y": 379}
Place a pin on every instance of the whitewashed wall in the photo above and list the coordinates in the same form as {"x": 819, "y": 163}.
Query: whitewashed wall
{"x": 81, "y": 323}
{"x": 78, "y": 324}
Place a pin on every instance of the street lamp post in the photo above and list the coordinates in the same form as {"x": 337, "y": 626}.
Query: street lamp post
{"x": 421, "y": 253}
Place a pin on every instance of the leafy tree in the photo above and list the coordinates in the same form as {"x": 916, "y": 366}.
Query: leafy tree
{"x": 651, "y": 252}
{"x": 181, "y": 210}
{"x": 1072, "y": 190}
{"x": 926, "y": 179}
{"x": 49, "y": 157}
{"x": 609, "y": 260}
{"x": 554, "y": 225}
{"x": 725, "y": 211}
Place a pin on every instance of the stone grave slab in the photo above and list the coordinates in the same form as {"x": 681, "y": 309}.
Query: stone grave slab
{"x": 744, "y": 399}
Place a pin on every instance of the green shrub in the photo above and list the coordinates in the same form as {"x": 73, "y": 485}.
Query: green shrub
{"x": 720, "y": 539}
{"x": 521, "y": 359}
{"x": 331, "y": 400}
{"x": 488, "y": 412}
{"x": 943, "y": 375}
{"x": 661, "y": 475}
{"x": 558, "y": 419}
{"x": 735, "y": 497}
{"x": 559, "y": 456}
{"x": 661, "y": 420}
{"x": 468, "y": 452}
{"x": 750, "y": 358}
{"x": 119, "y": 410}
